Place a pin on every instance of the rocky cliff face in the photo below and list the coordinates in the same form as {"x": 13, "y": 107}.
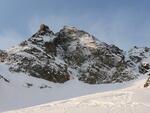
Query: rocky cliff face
{"x": 71, "y": 53}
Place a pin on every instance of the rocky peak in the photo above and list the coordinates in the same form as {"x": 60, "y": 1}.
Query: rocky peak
{"x": 44, "y": 28}
{"x": 42, "y": 39}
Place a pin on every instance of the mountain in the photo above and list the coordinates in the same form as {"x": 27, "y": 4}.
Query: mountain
{"x": 54, "y": 66}
{"x": 59, "y": 57}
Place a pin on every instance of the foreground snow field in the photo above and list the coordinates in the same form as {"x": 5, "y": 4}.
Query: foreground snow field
{"x": 17, "y": 94}
{"x": 131, "y": 99}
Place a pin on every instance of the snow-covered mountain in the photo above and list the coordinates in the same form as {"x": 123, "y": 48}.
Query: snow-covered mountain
{"x": 57, "y": 56}
{"x": 54, "y": 66}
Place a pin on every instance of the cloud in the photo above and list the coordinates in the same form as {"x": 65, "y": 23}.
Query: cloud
{"x": 9, "y": 38}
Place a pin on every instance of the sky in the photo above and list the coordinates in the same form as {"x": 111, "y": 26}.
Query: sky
{"x": 125, "y": 23}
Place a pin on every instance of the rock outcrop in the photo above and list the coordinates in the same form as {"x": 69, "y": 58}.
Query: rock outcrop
{"x": 3, "y": 55}
{"x": 147, "y": 84}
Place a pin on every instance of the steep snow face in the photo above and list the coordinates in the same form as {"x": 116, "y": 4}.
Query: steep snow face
{"x": 88, "y": 41}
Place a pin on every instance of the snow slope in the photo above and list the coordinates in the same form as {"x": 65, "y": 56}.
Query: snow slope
{"x": 132, "y": 98}
{"x": 25, "y": 91}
